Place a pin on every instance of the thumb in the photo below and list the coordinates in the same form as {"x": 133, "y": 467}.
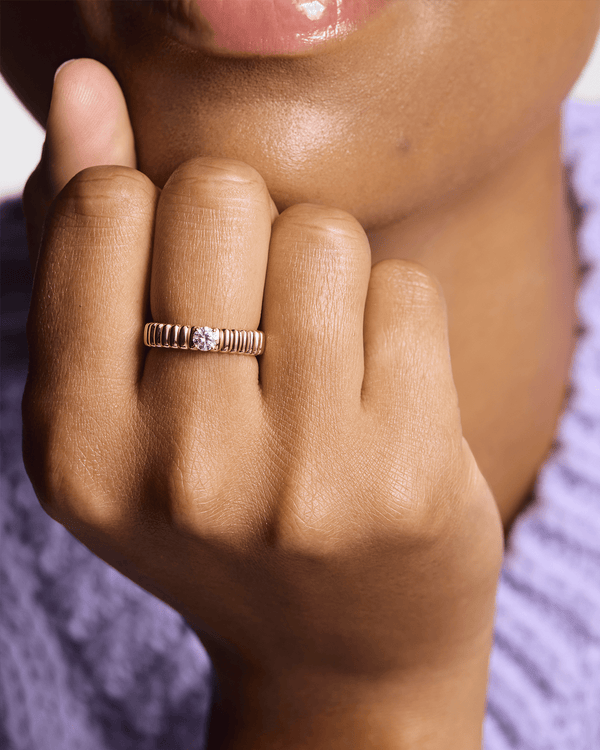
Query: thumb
{"x": 88, "y": 125}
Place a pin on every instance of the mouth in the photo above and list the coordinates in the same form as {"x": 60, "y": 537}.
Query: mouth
{"x": 267, "y": 27}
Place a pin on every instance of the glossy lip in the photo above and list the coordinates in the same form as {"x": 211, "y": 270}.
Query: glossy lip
{"x": 267, "y": 27}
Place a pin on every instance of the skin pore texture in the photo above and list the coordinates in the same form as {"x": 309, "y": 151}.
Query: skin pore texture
{"x": 437, "y": 126}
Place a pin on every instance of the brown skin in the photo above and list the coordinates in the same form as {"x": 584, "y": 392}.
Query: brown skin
{"x": 437, "y": 168}
{"x": 326, "y": 479}
{"x": 449, "y": 160}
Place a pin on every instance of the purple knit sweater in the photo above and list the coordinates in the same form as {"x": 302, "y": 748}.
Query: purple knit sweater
{"x": 89, "y": 661}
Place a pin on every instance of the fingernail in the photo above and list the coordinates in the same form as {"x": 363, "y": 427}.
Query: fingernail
{"x": 60, "y": 67}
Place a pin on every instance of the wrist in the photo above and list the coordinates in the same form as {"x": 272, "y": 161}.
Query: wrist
{"x": 429, "y": 711}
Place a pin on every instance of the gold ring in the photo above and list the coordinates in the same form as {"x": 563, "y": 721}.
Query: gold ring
{"x": 204, "y": 338}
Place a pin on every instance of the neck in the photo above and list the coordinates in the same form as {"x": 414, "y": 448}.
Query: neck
{"x": 505, "y": 254}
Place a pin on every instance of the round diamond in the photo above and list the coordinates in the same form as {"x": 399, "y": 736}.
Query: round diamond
{"x": 205, "y": 338}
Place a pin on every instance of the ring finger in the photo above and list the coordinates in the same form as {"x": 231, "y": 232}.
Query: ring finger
{"x": 213, "y": 226}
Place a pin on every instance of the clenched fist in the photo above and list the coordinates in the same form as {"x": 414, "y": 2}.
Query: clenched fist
{"x": 314, "y": 513}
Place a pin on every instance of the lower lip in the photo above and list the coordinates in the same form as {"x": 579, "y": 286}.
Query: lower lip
{"x": 280, "y": 27}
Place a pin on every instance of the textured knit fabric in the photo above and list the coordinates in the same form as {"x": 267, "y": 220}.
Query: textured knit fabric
{"x": 89, "y": 661}
{"x": 544, "y": 691}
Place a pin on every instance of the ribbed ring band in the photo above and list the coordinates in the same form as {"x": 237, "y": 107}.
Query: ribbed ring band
{"x": 204, "y": 339}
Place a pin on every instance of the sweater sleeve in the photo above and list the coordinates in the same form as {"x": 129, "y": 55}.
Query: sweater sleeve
{"x": 544, "y": 689}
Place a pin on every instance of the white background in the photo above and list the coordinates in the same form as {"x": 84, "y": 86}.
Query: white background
{"x": 21, "y": 137}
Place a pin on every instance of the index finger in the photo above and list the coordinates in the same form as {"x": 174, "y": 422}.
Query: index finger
{"x": 89, "y": 295}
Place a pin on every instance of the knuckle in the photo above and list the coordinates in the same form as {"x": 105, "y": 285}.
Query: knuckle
{"x": 191, "y": 487}
{"x": 189, "y": 490}
{"x": 100, "y": 196}
{"x": 63, "y": 471}
{"x": 332, "y": 225}
{"x": 469, "y": 482}
{"x": 411, "y": 512}
{"x": 305, "y": 519}
{"x": 425, "y": 528}
{"x": 409, "y": 281}
{"x": 401, "y": 507}
{"x": 220, "y": 179}
{"x": 306, "y": 534}
{"x": 62, "y": 493}
{"x": 432, "y": 474}
{"x": 414, "y": 495}
{"x": 199, "y": 508}
{"x": 441, "y": 495}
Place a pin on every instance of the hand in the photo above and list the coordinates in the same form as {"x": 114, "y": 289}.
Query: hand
{"x": 315, "y": 514}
